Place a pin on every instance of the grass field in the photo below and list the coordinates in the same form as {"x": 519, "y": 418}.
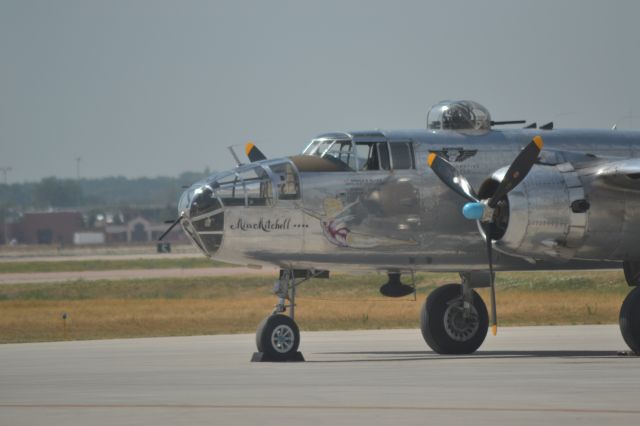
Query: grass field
{"x": 107, "y": 265}
{"x": 137, "y": 308}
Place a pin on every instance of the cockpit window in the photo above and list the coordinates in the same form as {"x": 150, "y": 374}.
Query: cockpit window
{"x": 258, "y": 187}
{"x": 402, "y": 155}
{"x": 232, "y": 193}
{"x": 228, "y": 178}
{"x": 333, "y": 149}
{"x": 249, "y": 186}
{"x": 373, "y": 156}
{"x": 286, "y": 181}
{"x": 204, "y": 201}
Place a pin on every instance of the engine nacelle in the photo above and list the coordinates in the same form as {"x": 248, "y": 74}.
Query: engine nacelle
{"x": 559, "y": 213}
{"x": 536, "y": 220}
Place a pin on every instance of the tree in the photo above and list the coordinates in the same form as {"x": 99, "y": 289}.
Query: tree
{"x": 53, "y": 192}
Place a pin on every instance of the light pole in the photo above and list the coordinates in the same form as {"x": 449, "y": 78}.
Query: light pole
{"x": 5, "y": 171}
{"x": 78, "y": 160}
{"x": 6, "y": 228}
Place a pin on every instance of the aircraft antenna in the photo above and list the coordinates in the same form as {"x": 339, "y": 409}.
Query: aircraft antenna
{"x": 235, "y": 157}
{"x": 504, "y": 123}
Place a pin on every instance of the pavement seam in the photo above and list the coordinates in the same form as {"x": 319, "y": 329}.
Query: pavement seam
{"x": 331, "y": 407}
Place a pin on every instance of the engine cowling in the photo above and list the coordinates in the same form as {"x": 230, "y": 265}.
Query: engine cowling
{"x": 559, "y": 213}
{"x": 543, "y": 218}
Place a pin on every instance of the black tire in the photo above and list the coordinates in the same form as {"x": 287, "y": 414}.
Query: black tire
{"x": 259, "y": 332}
{"x": 630, "y": 320}
{"x": 278, "y": 337}
{"x": 443, "y": 327}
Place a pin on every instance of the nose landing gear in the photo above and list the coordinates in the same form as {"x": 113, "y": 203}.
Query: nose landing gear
{"x": 278, "y": 336}
{"x": 277, "y": 339}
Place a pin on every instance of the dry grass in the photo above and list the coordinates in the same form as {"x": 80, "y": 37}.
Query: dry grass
{"x": 39, "y": 320}
{"x": 232, "y": 305}
{"x": 44, "y": 250}
{"x": 554, "y": 308}
{"x": 107, "y": 265}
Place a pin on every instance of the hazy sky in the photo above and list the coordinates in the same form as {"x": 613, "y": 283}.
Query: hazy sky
{"x": 159, "y": 87}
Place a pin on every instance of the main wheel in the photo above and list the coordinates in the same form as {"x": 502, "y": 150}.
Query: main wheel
{"x": 446, "y": 327}
{"x": 630, "y": 320}
{"x": 278, "y": 337}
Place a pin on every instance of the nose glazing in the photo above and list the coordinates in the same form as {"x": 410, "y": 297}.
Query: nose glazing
{"x": 204, "y": 218}
{"x": 203, "y": 203}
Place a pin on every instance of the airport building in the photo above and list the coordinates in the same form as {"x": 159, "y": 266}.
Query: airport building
{"x": 70, "y": 228}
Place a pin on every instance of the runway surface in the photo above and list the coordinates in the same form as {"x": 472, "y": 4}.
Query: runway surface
{"x": 527, "y": 375}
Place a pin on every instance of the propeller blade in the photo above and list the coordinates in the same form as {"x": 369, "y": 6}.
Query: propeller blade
{"x": 451, "y": 177}
{"x": 518, "y": 170}
{"x": 494, "y": 314}
{"x": 173, "y": 225}
{"x": 254, "y": 153}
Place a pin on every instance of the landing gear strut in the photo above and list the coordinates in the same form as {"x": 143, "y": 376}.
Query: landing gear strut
{"x": 278, "y": 336}
{"x": 454, "y": 319}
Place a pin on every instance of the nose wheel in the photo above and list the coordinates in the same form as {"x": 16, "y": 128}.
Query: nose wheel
{"x": 278, "y": 335}
{"x": 278, "y": 338}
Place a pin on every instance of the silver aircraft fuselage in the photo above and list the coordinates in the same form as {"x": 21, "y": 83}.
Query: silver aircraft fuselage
{"x": 295, "y": 215}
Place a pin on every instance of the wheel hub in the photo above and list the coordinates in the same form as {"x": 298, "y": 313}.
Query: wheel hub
{"x": 282, "y": 338}
{"x": 460, "y": 325}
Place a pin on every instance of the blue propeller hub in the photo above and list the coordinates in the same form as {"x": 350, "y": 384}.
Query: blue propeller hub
{"x": 473, "y": 211}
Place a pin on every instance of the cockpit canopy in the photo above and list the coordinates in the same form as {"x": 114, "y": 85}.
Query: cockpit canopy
{"x": 461, "y": 116}
{"x": 335, "y": 150}
{"x": 249, "y": 185}
{"x": 358, "y": 151}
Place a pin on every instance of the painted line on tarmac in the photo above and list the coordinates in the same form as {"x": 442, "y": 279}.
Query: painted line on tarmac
{"x": 328, "y": 407}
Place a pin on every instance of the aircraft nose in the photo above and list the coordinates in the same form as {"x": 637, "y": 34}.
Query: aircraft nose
{"x": 203, "y": 217}
{"x": 203, "y": 202}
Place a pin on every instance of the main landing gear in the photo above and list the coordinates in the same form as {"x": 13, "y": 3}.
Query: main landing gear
{"x": 454, "y": 319}
{"x": 278, "y": 336}
{"x": 630, "y": 320}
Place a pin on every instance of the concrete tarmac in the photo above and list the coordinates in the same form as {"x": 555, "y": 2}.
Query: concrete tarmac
{"x": 526, "y": 375}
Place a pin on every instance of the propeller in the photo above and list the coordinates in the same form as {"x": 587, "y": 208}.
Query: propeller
{"x": 518, "y": 170}
{"x": 482, "y": 210}
{"x": 173, "y": 225}
{"x": 253, "y": 152}
{"x": 451, "y": 177}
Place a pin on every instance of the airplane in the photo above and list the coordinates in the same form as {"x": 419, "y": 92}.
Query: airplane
{"x": 461, "y": 195}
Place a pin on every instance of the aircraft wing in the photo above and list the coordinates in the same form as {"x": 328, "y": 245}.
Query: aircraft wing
{"x": 622, "y": 173}
{"x": 630, "y": 166}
